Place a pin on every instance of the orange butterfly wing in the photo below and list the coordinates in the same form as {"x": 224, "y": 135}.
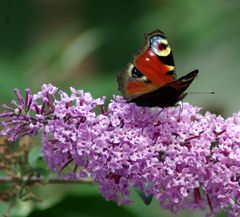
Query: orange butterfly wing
{"x": 151, "y": 80}
{"x": 154, "y": 68}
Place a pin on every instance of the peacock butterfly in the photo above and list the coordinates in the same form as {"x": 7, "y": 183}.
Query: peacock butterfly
{"x": 150, "y": 80}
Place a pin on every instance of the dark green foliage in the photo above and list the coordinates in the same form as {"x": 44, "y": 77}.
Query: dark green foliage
{"x": 87, "y": 206}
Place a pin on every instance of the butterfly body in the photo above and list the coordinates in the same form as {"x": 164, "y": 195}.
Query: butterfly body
{"x": 150, "y": 80}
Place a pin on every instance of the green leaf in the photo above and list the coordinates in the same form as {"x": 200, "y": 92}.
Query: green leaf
{"x": 34, "y": 155}
{"x": 223, "y": 214}
{"x": 87, "y": 206}
{"x": 146, "y": 199}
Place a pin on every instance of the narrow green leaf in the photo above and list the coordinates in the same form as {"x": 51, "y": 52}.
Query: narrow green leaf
{"x": 146, "y": 199}
{"x": 34, "y": 155}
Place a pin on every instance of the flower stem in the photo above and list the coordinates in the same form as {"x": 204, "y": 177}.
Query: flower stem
{"x": 51, "y": 180}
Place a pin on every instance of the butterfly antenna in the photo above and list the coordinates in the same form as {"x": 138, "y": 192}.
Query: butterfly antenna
{"x": 208, "y": 92}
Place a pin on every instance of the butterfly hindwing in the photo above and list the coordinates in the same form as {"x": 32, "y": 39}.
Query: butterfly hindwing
{"x": 167, "y": 95}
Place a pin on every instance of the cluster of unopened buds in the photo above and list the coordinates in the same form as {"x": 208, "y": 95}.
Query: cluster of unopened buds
{"x": 182, "y": 158}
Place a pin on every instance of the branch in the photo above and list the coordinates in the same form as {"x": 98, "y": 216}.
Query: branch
{"x": 51, "y": 180}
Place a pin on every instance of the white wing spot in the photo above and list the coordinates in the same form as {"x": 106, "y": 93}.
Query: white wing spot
{"x": 151, "y": 53}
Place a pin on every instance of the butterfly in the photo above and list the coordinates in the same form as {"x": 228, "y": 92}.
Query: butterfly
{"x": 150, "y": 80}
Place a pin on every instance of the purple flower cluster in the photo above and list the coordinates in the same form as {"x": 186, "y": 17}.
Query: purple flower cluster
{"x": 184, "y": 159}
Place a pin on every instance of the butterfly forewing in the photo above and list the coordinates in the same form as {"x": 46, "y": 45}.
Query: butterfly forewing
{"x": 150, "y": 80}
{"x": 155, "y": 66}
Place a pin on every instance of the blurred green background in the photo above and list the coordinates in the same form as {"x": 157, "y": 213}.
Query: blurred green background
{"x": 86, "y": 43}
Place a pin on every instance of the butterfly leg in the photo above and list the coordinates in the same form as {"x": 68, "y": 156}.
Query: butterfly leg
{"x": 180, "y": 110}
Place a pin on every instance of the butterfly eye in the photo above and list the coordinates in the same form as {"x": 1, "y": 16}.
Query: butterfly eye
{"x": 136, "y": 73}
